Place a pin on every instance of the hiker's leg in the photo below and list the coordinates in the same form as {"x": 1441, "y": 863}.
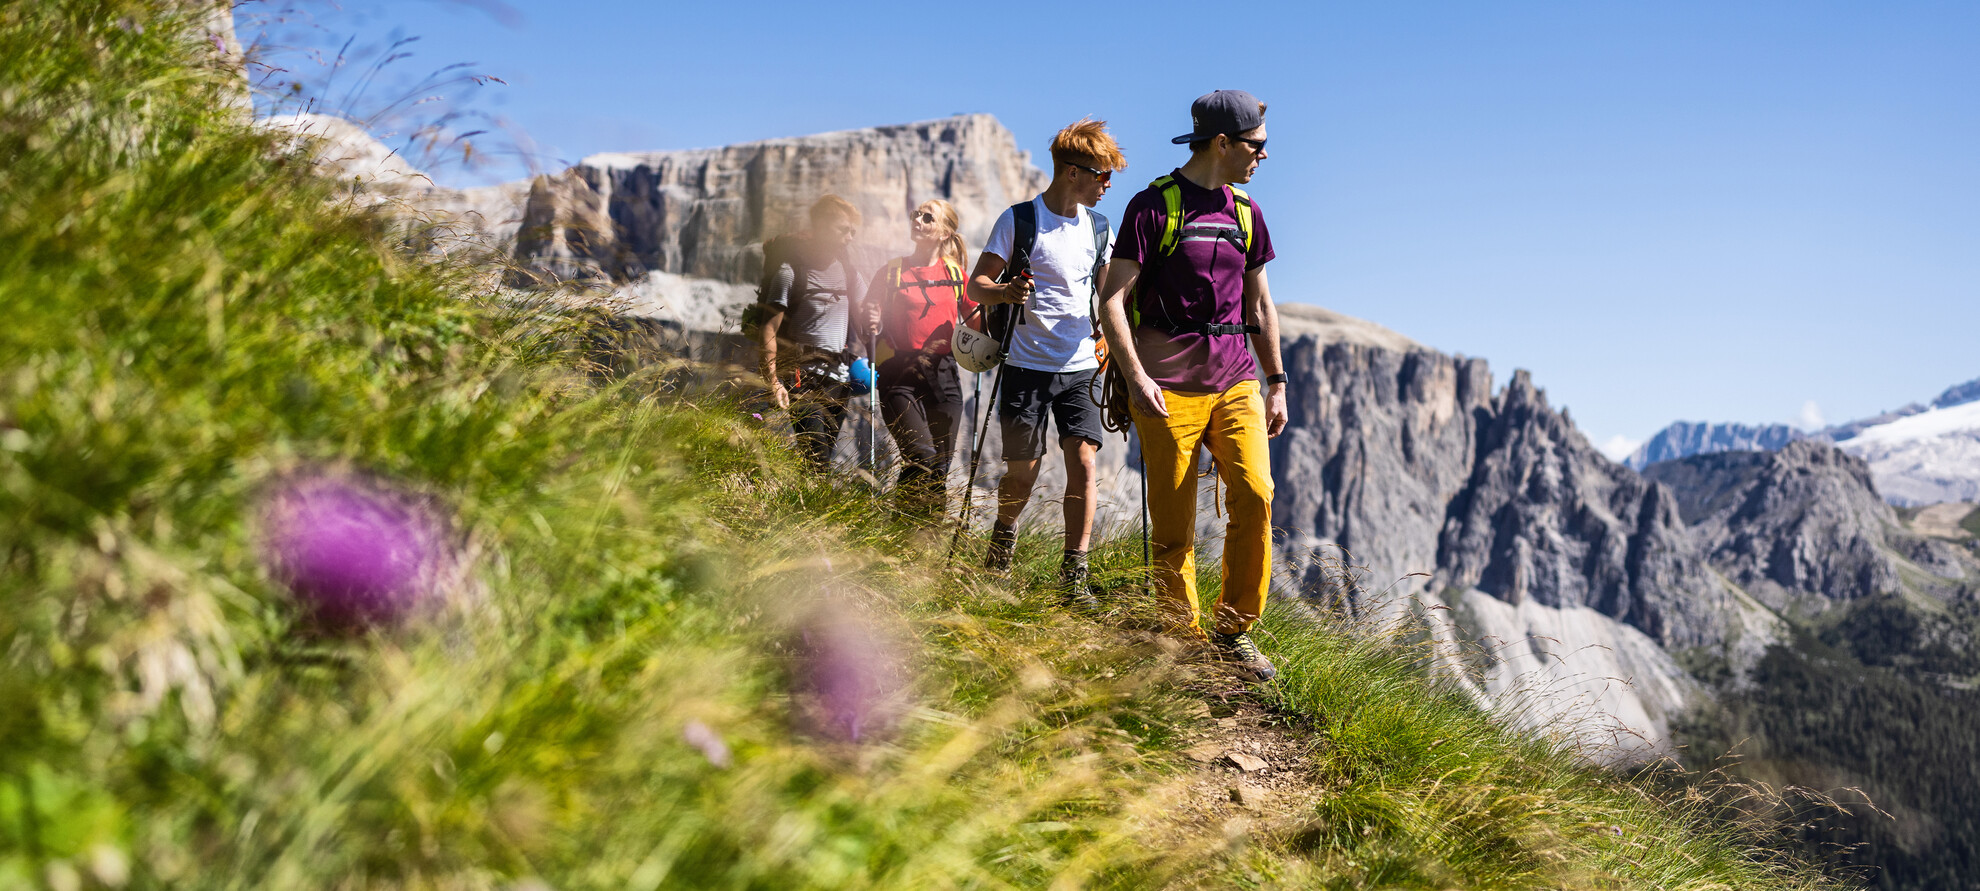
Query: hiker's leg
{"x": 1021, "y": 404}
{"x": 1082, "y": 490}
{"x": 1080, "y": 435}
{"x": 907, "y": 419}
{"x": 943, "y": 402}
{"x": 812, "y": 425}
{"x": 1237, "y": 440}
{"x": 835, "y": 406}
{"x": 1168, "y": 450}
{"x": 1015, "y": 491}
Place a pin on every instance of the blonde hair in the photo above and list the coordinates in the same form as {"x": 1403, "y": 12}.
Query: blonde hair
{"x": 945, "y": 213}
{"x": 1088, "y": 144}
{"x": 833, "y": 204}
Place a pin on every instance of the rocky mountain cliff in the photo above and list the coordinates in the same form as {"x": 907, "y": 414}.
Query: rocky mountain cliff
{"x": 705, "y": 213}
{"x": 1491, "y": 517}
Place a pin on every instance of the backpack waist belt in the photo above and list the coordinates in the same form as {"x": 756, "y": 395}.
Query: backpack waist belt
{"x": 1212, "y": 328}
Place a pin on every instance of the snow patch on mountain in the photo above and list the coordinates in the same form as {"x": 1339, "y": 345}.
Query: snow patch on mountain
{"x": 1926, "y": 458}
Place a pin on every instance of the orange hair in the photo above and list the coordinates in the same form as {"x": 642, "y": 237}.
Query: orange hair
{"x": 1088, "y": 144}
{"x": 834, "y": 205}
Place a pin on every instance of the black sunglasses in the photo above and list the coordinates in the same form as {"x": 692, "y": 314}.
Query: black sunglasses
{"x": 1257, "y": 145}
{"x": 1101, "y": 175}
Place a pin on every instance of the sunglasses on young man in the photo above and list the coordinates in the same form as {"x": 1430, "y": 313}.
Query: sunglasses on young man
{"x": 1101, "y": 175}
{"x": 1257, "y": 145}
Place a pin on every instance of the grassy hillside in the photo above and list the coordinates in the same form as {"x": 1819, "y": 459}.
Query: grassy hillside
{"x": 650, "y": 654}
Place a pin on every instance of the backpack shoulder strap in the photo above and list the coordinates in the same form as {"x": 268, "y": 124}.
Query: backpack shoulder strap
{"x": 1024, "y": 234}
{"x": 1172, "y": 212}
{"x": 1101, "y": 229}
{"x": 1242, "y": 205}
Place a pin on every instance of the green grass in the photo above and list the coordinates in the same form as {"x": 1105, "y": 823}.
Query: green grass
{"x": 192, "y": 319}
{"x": 1971, "y": 522}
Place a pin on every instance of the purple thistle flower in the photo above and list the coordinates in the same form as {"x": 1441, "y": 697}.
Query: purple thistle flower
{"x": 354, "y": 552}
{"x": 710, "y": 743}
{"x": 850, "y": 677}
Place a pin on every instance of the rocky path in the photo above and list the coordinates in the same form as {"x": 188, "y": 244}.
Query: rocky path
{"x": 1252, "y": 772}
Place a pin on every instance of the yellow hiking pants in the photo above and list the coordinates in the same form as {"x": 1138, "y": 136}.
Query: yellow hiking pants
{"x": 1232, "y": 425}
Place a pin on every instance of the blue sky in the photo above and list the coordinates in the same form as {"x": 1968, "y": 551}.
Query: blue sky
{"x": 1753, "y": 211}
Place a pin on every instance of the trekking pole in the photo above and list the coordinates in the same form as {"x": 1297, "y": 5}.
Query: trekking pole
{"x": 874, "y": 410}
{"x": 975, "y": 456}
{"x": 1147, "y": 563}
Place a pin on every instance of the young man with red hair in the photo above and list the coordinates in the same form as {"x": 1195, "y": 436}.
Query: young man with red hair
{"x": 1052, "y": 359}
{"x": 1186, "y": 285}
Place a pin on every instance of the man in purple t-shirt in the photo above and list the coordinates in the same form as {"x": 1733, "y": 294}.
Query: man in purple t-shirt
{"x": 1186, "y": 284}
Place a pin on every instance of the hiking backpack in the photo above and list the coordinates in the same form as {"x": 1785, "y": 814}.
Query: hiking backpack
{"x": 956, "y": 281}
{"x": 1175, "y": 230}
{"x": 777, "y": 252}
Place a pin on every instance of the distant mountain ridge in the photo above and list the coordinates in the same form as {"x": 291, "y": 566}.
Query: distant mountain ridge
{"x": 1683, "y": 439}
{"x": 1913, "y": 460}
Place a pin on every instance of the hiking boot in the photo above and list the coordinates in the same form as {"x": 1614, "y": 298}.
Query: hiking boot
{"x": 1003, "y": 546}
{"x": 1074, "y": 589}
{"x": 1241, "y": 654}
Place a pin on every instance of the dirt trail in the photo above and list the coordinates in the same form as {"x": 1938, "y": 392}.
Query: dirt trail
{"x": 1252, "y": 772}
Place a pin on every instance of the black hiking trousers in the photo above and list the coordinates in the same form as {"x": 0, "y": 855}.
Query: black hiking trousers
{"x": 818, "y": 409}
{"x": 922, "y": 404}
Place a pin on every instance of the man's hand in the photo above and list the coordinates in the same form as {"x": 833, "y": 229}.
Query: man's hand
{"x": 1148, "y": 396}
{"x": 1018, "y": 289}
{"x": 930, "y": 351}
{"x": 1275, "y": 410}
{"x": 779, "y": 395}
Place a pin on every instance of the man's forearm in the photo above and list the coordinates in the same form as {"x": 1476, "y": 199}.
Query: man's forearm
{"x": 1113, "y": 314}
{"x": 1258, "y": 305}
{"x": 766, "y": 346}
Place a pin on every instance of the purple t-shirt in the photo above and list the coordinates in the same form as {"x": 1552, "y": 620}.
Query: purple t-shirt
{"x": 1203, "y": 281}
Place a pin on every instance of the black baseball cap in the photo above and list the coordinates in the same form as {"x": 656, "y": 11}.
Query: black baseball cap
{"x": 1222, "y": 112}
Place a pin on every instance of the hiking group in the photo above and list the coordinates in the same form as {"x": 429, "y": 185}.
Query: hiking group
{"x": 1164, "y": 325}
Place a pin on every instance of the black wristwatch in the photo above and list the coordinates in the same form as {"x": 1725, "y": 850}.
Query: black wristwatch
{"x": 1279, "y": 378}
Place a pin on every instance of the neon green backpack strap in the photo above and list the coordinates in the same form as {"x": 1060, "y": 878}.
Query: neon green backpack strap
{"x": 1243, "y": 208}
{"x": 1172, "y": 212}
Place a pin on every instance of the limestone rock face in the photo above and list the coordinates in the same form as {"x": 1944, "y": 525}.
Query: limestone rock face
{"x": 1404, "y": 457}
{"x": 1802, "y": 522}
{"x": 1545, "y": 516}
{"x": 705, "y": 213}
{"x": 1492, "y": 519}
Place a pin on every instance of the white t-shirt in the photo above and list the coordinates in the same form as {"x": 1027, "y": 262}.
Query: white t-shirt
{"x": 1056, "y": 333}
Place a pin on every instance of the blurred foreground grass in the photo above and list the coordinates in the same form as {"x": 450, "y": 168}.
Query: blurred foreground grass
{"x": 632, "y": 686}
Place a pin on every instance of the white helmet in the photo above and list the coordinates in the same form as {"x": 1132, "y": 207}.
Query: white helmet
{"x": 976, "y": 351}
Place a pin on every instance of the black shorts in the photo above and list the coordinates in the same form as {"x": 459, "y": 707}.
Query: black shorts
{"x": 1026, "y": 395}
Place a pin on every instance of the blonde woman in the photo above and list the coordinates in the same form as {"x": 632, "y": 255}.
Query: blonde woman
{"x": 916, "y": 301}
